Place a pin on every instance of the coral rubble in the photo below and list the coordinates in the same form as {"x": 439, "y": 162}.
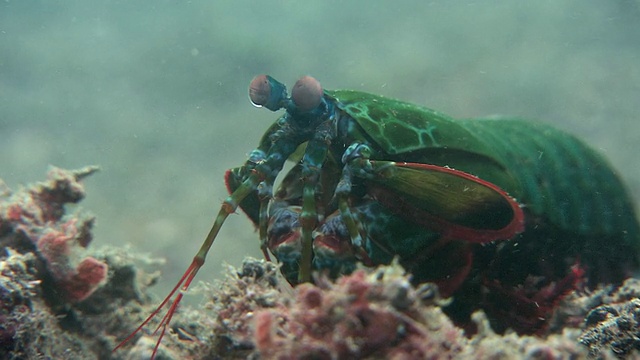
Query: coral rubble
{"x": 368, "y": 314}
{"x": 58, "y": 300}
{"x": 61, "y": 299}
{"x": 615, "y": 325}
{"x": 36, "y": 214}
{"x": 361, "y": 315}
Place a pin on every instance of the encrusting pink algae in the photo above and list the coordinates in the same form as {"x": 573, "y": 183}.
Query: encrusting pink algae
{"x": 59, "y": 298}
{"x": 36, "y": 213}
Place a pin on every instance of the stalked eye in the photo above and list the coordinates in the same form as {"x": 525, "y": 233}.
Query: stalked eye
{"x": 307, "y": 93}
{"x": 259, "y": 90}
{"x": 268, "y": 92}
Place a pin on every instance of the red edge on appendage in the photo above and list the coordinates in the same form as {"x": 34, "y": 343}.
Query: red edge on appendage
{"x": 452, "y": 230}
{"x": 186, "y": 279}
{"x": 227, "y": 180}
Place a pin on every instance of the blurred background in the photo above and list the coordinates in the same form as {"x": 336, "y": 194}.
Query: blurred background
{"x": 155, "y": 92}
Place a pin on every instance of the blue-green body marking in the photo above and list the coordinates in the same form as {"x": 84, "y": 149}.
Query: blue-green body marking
{"x": 553, "y": 174}
{"x": 478, "y": 206}
{"x": 577, "y": 211}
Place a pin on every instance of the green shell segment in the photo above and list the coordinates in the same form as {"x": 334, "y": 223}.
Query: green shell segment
{"x": 560, "y": 177}
{"x": 400, "y": 127}
{"x": 551, "y": 172}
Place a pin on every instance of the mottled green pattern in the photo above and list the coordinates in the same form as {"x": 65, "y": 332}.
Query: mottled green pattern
{"x": 400, "y": 127}
{"x": 553, "y": 174}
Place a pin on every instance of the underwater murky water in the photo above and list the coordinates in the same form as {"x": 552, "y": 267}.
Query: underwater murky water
{"x": 156, "y": 92}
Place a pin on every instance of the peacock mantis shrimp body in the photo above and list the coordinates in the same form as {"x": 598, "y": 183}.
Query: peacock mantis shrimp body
{"x": 476, "y": 206}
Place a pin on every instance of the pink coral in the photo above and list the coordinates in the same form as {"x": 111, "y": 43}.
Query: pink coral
{"x": 370, "y": 314}
{"x": 357, "y": 317}
{"x": 54, "y": 246}
{"x": 362, "y": 315}
{"x": 85, "y": 279}
{"x": 34, "y": 218}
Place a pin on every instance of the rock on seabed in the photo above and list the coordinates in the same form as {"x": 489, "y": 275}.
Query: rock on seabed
{"x": 59, "y": 298}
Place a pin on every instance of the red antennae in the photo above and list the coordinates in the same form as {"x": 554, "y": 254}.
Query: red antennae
{"x": 188, "y": 276}
{"x": 228, "y": 207}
